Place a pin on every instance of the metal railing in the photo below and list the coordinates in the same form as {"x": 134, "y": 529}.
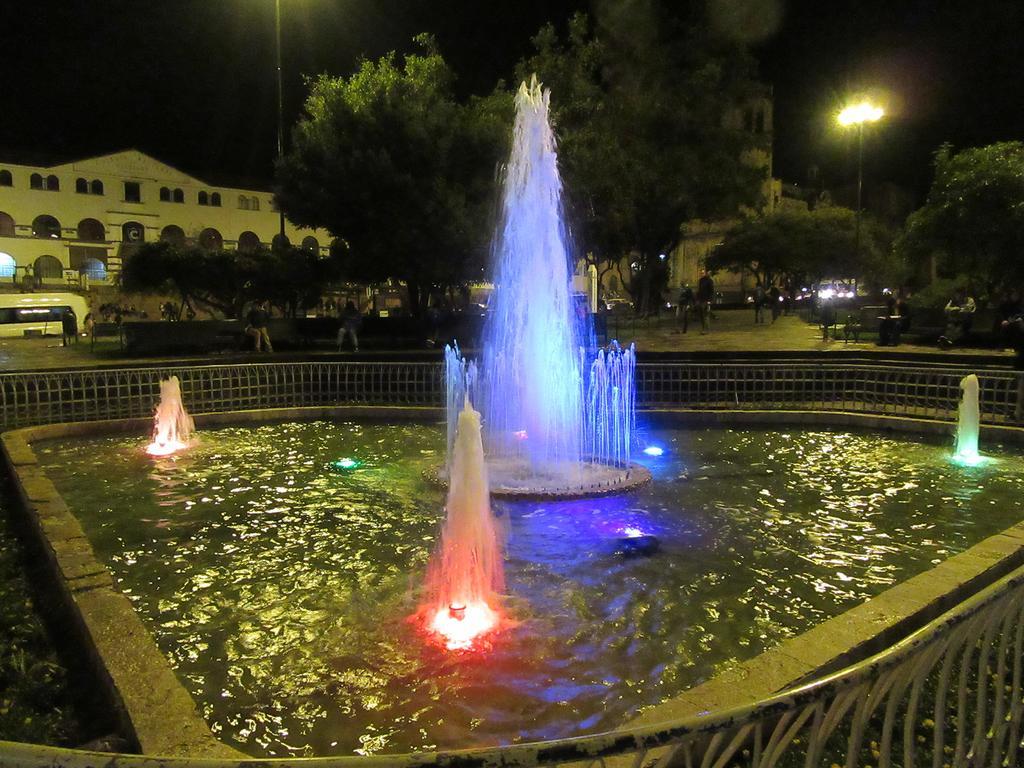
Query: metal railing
{"x": 47, "y": 397}
{"x": 27, "y": 399}
{"x": 949, "y": 694}
{"x": 920, "y": 392}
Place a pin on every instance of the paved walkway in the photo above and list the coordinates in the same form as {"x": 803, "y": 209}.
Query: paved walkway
{"x": 735, "y": 331}
{"x": 731, "y": 331}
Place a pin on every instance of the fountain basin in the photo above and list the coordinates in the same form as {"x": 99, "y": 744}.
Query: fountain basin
{"x": 279, "y": 593}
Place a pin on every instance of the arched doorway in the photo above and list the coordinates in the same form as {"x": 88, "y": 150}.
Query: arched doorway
{"x": 91, "y": 231}
{"x": 48, "y": 269}
{"x": 248, "y": 242}
{"x": 94, "y": 269}
{"x": 211, "y": 239}
{"x": 174, "y": 235}
{"x": 132, "y": 232}
{"x": 46, "y": 226}
{"x": 6, "y": 265}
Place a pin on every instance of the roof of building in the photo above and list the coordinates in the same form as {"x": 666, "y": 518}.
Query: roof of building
{"x": 54, "y": 159}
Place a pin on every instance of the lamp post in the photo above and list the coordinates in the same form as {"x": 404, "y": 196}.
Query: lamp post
{"x": 280, "y": 96}
{"x": 858, "y": 114}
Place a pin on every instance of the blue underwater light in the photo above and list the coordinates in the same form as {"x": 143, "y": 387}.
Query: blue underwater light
{"x": 654, "y": 450}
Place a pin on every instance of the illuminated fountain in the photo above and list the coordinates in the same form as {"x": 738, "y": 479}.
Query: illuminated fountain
{"x": 968, "y": 425}
{"x": 558, "y": 417}
{"x": 466, "y": 574}
{"x": 173, "y": 427}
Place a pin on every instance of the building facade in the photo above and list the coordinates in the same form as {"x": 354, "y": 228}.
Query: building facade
{"x": 73, "y": 224}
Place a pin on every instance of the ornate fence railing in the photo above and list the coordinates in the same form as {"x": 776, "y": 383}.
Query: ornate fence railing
{"x": 952, "y": 693}
{"x": 33, "y": 398}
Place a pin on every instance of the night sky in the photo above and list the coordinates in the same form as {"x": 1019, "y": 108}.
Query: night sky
{"x": 192, "y": 81}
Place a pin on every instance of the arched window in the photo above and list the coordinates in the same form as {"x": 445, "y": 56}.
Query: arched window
{"x": 248, "y": 241}
{"x": 94, "y": 269}
{"x": 5, "y": 179}
{"x": 210, "y": 239}
{"x": 280, "y": 242}
{"x": 254, "y": 203}
{"x": 45, "y": 226}
{"x": 52, "y": 183}
{"x": 204, "y": 198}
{"x": 81, "y": 186}
{"x": 215, "y": 199}
{"x": 173, "y": 234}
{"x": 132, "y": 232}
{"x": 6, "y": 225}
{"x": 179, "y": 196}
{"x": 6, "y": 265}
{"x": 96, "y": 187}
{"x": 48, "y": 268}
{"x": 311, "y": 244}
{"x": 91, "y": 230}
{"x": 243, "y": 202}
{"x": 35, "y": 181}
{"x": 165, "y": 195}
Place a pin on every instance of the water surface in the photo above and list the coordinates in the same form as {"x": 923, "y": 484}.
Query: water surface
{"x": 281, "y": 589}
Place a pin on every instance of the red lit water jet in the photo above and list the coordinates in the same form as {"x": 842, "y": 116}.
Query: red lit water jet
{"x": 466, "y": 575}
{"x": 172, "y": 427}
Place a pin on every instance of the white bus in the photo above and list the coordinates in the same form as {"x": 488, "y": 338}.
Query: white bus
{"x": 31, "y": 314}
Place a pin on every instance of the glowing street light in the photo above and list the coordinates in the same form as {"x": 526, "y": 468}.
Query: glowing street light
{"x": 858, "y": 114}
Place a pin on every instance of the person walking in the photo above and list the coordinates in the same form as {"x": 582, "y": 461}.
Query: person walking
{"x": 705, "y": 295}
{"x": 350, "y": 321}
{"x": 259, "y": 316}
{"x": 684, "y": 306}
{"x": 775, "y": 299}
{"x": 69, "y": 328}
{"x": 759, "y": 300}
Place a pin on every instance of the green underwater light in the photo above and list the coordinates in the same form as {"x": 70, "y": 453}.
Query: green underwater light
{"x": 346, "y": 463}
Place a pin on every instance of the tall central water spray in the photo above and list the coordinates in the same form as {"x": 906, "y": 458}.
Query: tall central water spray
{"x": 531, "y": 362}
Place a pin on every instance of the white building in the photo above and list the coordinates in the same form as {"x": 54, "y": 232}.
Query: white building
{"x": 72, "y": 224}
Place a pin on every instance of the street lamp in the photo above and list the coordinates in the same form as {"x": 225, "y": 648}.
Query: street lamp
{"x": 858, "y": 114}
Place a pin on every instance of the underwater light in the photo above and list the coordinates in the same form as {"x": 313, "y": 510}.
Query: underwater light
{"x": 165, "y": 449}
{"x": 968, "y": 459}
{"x": 460, "y": 624}
{"x": 654, "y": 450}
{"x": 520, "y": 434}
{"x": 346, "y": 463}
{"x": 631, "y": 532}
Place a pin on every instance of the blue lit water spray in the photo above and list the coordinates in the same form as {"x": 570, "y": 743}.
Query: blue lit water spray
{"x": 543, "y": 394}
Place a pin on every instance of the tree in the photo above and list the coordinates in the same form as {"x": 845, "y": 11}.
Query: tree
{"x": 642, "y": 105}
{"x": 389, "y": 162}
{"x": 223, "y": 282}
{"x": 809, "y": 246}
{"x": 973, "y": 219}
{"x": 201, "y": 278}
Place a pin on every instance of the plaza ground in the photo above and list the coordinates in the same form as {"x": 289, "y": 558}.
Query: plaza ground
{"x": 732, "y": 331}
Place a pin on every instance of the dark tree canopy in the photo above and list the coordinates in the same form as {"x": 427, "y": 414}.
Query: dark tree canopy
{"x": 223, "y": 282}
{"x": 389, "y": 162}
{"x": 973, "y": 220}
{"x": 642, "y": 110}
{"x": 809, "y": 246}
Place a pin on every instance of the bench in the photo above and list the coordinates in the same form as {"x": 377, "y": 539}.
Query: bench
{"x": 865, "y": 321}
{"x": 106, "y": 330}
